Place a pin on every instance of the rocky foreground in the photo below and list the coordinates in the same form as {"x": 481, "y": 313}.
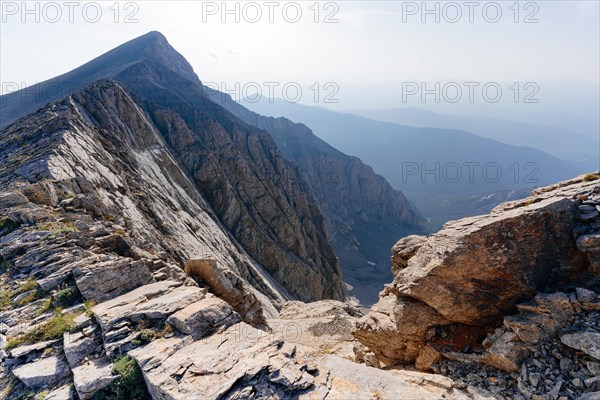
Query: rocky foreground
{"x": 87, "y": 314}
{"x": 506, "y": 302}
{"x": 502, "y": 306}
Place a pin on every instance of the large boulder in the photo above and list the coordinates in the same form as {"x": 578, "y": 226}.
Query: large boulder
{"x": 228, "y": 286}
{"x": 453, "y": 287}
{"x": 204, "y": 317}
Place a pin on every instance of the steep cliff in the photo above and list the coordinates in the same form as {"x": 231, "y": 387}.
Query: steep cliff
{"x": 364, "y": 214}
{"x": 255, "y": 192}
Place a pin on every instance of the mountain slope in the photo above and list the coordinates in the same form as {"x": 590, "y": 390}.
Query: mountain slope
{"x": 579, "y": 150}
{"x": 96, "y": 155}
{"x": 364, "y": 213}
{"x": 255, "y": 192}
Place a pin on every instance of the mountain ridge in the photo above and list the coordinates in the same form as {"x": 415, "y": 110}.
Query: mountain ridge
{"x": 158, "y": 78}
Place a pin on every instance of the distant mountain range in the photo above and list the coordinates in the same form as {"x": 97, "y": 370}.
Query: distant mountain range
{"x": 394, "y": 150}
{"x": 579, "y": 150}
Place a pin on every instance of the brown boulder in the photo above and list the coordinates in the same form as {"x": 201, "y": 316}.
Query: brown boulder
{"x": 464, "y": 279}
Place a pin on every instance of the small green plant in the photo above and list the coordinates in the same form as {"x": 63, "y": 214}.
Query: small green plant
{"x": 46, "y": 305}
{"x": 147, "y": 335}
{"x": 88, "y": 308}
{"x": 29, "y": 285}
{"x": 54, "y": 328}
{"x": 129, "y": 386}
{"x": 35, "y": 292}
{"x": 591, "y": 177}
{"x": 31, "y": 297}
{"x": 67, "y": 297}
{"x": 26, "y": 395}
{"x": 41, "y": 396}
{"x": 166, "y": 331}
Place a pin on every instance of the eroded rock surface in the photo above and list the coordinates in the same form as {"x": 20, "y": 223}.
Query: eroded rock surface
{"x": 452, "y": 287}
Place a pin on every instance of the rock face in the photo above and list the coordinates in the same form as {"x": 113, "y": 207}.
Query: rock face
{"x": 365, "y": 215}
{"x": 107, "y": 279}
{"x": 452, "y": 287}
{"x": 42, "y": 373}
{"x": 254, "y": 191}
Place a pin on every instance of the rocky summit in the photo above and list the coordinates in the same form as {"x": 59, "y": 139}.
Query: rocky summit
{"x": 157, "y": 243}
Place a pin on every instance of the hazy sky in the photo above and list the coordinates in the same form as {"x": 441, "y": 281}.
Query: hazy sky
{"x": 367, "y": 43}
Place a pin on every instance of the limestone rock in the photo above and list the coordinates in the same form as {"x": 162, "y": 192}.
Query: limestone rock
{"x": 25, "y": 350}
{"x": 585, "y": 295}
{"x": 588, "y": 342}
{"x": 506, "y": 351}
{"x": 62, "y": 393}
{"x": 122, "y": 317}
{"x": 204, "y": 317}
{"x": 153, "y": 301}
{"x": 323, "y": 325}
{"x": 240, "y": 360}
{"x": 45, "y": 372}
{"x": 475, "y": 271}
{"x": 77, "y": 347}
{"x": 107, "y": 279}
{"x": 228, "y": 286}
{"x": 92, "y": 376}
{"x": 395, "y": 328}
{"x": 12, "y": 199}
{"x": 343, "y": 379}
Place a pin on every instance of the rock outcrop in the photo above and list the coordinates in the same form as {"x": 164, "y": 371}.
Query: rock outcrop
{"x": 454, "y": 287}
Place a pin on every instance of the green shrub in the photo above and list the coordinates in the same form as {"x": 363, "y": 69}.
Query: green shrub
{"x": 88, "y": 308}
{"x": 29, "y": 285}
{"x": 55, "y": 228}
{"x": 5, "y": 300}
{"x": 147, "y": 335}
{"x": 129, "y": 386}
{"x": 31, "y": 297}
{"x": 67, "y": 297}
{"x": 46, "y": 305}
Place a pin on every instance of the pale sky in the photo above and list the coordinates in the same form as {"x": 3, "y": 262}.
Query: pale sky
{"x": 370, "y": 44}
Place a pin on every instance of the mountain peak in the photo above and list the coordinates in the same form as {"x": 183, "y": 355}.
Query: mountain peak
{"x": 151, "y": 47}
